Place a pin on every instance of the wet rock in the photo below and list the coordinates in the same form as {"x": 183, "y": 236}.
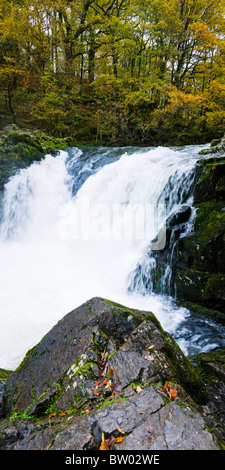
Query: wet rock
{"x": 179, "y": 217}
{"x": 101, "y": 369}
{"x": 198, "y": 260}
{"x": 217, "y": 146}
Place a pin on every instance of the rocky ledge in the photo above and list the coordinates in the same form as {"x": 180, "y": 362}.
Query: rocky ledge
{"x": 21, "y": 147}
{"x": 107, "y": 376}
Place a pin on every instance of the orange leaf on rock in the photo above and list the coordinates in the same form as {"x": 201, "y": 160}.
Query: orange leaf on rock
{"x": 119, "y": 439}
{"x": 88, "y": 408}
{"x": 173, "y": 394}
{"x": 166, "y": 386}
{"x": 104, "y": 382}
{"x": 104, "y": 444}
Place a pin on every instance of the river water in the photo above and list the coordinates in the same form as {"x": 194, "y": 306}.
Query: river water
{"x": 76, "y": 226}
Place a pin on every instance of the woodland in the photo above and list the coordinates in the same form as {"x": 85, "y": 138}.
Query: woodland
{"x": 114, "y": 72}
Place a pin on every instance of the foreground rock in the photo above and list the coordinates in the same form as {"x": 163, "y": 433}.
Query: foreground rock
{"x": 105, "y": 368}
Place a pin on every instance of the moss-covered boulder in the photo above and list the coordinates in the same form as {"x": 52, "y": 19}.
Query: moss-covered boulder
{"x": 20, "y": 147}
{"x": 217, "y": 146}
{"x": 102, "y": 368}
{"x": 211, "y": 184}
{"x": 211, "y": 367}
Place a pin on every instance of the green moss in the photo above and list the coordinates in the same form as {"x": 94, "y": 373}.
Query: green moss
{"x": 138, "y": 316}
{"x": 5, "y": 374}
{"x": 109, "y": 402}
{"x": 183, "y": 371}
{"x": 204, "y": 361}
{"x": 210, "y": 220}
{"x": 23, "y": 364}
{"x": 201, "y": 310}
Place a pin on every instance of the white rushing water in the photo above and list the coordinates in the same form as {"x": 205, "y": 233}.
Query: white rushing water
{"x": 74, "y": 227}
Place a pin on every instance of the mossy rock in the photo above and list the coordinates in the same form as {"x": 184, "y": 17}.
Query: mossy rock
{"x": 19, "y": 148}
{"x": 201, "y": 287}
{"x": 5, "y": 374}
{"x": 217, "y": 147}
{"x": 206, "y": 188}
{"x": 26, "y": 153}
{"x": 64, "y": 366}
{"x": 213, "y": 363}
{"x": 200, "y": 310}
{"x": 205, "y": 245}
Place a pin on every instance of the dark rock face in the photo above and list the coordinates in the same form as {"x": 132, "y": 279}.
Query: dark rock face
{"x": 200, "y": 265}
{"x": 192, "y": 264}
{"x": 103, "y": 368}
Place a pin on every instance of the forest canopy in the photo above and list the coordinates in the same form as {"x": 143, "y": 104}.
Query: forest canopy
{"x": 114, "y": 72}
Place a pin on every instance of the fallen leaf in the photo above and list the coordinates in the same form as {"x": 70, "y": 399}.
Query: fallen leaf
{"x": 116, "y": 387}
{"x": 88, "y": 408}
{"x": 104, "y": 444}
{"x": 119, "y": 439}
{"x": 103, "y": 363}
{"x": 173, "y": 394}
{"x": 120, "y": 430}
{"x": 109, "y": 373}
{"x": 105, "y": 382}
{"x": 149, "y": 358}
{"x": 105, "y": 370}
{"x": 111, "y": 441}
{"x": 139, "y": 389}
{"x": 149, "y": 435}
{"x": 166, "y": 386}
{"x": 109, "y": 384}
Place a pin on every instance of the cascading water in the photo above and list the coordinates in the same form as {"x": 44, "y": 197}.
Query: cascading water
{"x": 84, "y": 224}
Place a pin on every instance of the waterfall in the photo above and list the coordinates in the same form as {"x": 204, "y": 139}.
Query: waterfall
{"x": 91, "y": 222}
